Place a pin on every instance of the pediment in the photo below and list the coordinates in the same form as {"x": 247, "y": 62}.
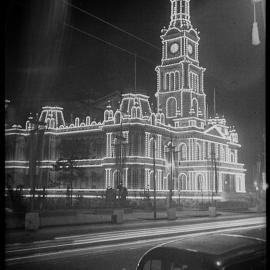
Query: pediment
{"x": 214, "y": 131}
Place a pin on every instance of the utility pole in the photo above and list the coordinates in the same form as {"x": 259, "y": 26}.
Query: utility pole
{"x": 179, "y": 187}
{"x": 171, "y": 151}
{"x": 119, "y": 157}
{"x": 214, "y": 170}
{"x": 36, "y": 128}
{"x": 154, "y": 175}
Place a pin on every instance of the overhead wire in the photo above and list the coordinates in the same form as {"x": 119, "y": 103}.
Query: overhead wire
{"x": 112, "y": 25}
{"x": 108, "y": 43}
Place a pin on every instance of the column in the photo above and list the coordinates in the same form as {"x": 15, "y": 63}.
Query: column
{"x": 159, "y": 146}
{"x": 205, "y": 181}
{"x": 147, "y": 145}
{"x": 243, "y": 183}
{"x": 203, "y": 150}
{"x": 219, "y": 182}
{"x": 189, "y": 149}
{"x": 189, "y": 181}
{"x": 109, "y": 145}
{"x": 209, "y": 150}
{"x": 126, "y": 175}
{"x": 227, "y": 154}
{"x": 146, "y": 179}
{"x": 108, "y": 178}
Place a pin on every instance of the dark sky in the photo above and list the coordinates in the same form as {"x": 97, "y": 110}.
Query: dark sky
{"x": 47, "y": 62}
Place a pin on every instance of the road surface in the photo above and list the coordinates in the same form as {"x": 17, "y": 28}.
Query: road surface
{"x": 116, "y": 250}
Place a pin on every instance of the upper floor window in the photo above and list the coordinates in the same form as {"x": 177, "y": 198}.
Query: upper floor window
{"x": 171, "y": 107}
{"x": 194, "y": 82}
{"x": 198, "y": 152}
{"x": 183, "y": 152}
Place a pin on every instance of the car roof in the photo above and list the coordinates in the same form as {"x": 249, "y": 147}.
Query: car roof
{"x": 217, "y": 244}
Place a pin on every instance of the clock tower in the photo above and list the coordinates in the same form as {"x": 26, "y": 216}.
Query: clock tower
{"x": 180, "y": 90}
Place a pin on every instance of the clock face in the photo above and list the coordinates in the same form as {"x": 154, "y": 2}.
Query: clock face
{"x": 174, "y": 48}
{"x": 190, "y": 49}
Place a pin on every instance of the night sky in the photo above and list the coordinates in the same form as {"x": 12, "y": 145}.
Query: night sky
{"x": 48, "y": 62}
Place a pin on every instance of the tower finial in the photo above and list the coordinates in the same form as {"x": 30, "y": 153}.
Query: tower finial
{"x": 180, "y": 14}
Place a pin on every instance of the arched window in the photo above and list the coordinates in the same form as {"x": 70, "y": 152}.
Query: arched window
{"x": 177, "y": 80}
{"x": 194, "y": 81}
{"x": 158, "y": 117}
{"x": 114, "y": 142}
{"x": 195, "y": 106}
{"x": 52, "y": 123}
{"x": 133, "y": 112}
{"x": 88, "y": 120}
{"x": 182, "y": 152}
{"x": 222, "y": 153}
{"x": 135, "y": 179}
{"x": 198, "y": 155}
{"x": 117, "y": 117}
{"x": 106, "y": 115}
{"x": 151, "y": 180}
{"x": 171, "y": 107}
{"x": 172, "y": 81}
{"x": 232, "y": 157}
{"x": 182, "y": 182}
{"x": 138, "y": 112}
{"x": 200, "y": 182}
{"x": 116, "y": 178}
{"x": 153, "y": 119}
{"x": 167, "y": 81}
{"x": 162, "y": 118}
{"x": 152, "y": 147}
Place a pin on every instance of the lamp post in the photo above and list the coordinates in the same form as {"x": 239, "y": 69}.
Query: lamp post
{"x": 171, "y": 151}
{"x": 154, "y": 175}
{"x": 36, "y": 128}
{"x": 68, "y": 164}
{"x": 214, "y": 169}
{"x": 257, "y": 197}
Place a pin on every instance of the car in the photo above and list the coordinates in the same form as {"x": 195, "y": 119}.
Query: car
{"x": 222, "y": 251}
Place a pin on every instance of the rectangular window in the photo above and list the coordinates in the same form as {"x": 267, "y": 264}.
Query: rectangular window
{"x": 178, "y": 7}
{"x": 183, "y": 7}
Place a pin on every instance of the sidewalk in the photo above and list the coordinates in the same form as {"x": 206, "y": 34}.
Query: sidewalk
{"x": 137, "y": 219}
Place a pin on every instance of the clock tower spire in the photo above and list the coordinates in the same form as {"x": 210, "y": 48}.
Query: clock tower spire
{"x": 180, "y": 79}
{"x": 180, "y": 14}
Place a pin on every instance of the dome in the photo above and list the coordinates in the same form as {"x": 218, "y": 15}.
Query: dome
{"x": 55, "y": 113}
{"x": 136, "y": 100}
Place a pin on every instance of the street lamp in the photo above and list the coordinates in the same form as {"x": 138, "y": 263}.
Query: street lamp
{"x": 68, "y": 164}
{"x": 154, "y": 175}
{"x": 214, "y": 169}
{"x": 172, "y": 152}
{"x": 257, "y": 189}
{"x": 36, "y": 131}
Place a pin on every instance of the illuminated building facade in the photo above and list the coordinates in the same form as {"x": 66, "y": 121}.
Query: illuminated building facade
{"x": 119, "y": 149}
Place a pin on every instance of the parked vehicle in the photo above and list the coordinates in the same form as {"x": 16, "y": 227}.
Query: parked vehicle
{"x": 207, "y": 252}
